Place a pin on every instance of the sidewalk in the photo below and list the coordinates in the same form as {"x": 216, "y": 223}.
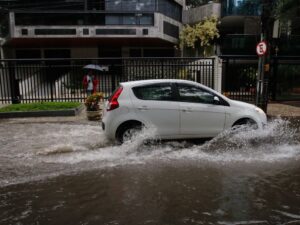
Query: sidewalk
{"x": 284, "y": 109}
{"x": 289, "y": 110}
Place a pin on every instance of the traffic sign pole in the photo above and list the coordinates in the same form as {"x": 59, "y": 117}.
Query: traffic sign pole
{"x": 261, "y": 50}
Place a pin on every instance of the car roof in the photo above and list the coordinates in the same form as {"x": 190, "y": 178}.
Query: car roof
{"x": 141, "y": 82}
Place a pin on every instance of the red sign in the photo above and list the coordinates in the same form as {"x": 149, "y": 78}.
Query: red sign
{"x": 261, "y": 48}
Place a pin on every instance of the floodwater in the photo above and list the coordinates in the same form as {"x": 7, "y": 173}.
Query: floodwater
{"x": 70, "y": 174}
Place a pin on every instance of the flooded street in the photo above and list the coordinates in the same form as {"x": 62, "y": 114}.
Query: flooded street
{"x": 55, "y": 173}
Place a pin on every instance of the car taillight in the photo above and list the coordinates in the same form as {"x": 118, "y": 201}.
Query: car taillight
{"x": 113, "y": 101}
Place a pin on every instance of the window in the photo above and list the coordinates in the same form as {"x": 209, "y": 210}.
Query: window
{"x": 146, "y": 20}
{"x": 158, "y": 92}
{"x": 170, "y": 9}
{"x": 129, "y": 20}
{"x": 171, "y": 30}
{"x": 113, "y": 20}
{"x": 189, "y": 93}
{"x": 55, "y": 31}
{"x": 130, "y": 5}
{"x": 115, "y": 32}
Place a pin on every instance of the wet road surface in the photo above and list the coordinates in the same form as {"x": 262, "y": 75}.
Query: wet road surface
{"x": 70, "y": 174}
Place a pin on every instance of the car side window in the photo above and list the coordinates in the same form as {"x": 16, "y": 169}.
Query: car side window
{"x": 158, "y": 92}
{"x": 190, "y": 93}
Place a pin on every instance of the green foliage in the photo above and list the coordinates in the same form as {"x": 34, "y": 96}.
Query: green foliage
{"x": 286, "y": 9}
{"x": 92, "y": 101}
{"x": 40, "y": 106}
{"x": 204, "y": 32}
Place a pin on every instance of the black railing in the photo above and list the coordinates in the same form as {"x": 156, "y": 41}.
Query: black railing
{"x": 32, "y": 80}
{"x": 240, "y": 77}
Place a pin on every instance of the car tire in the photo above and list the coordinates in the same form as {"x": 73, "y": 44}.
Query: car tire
{"x": 245, "y": 123}
{"x": 126, "y": 132}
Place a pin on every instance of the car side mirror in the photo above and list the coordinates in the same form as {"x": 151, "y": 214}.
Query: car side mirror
{"x": 216, "y": 100}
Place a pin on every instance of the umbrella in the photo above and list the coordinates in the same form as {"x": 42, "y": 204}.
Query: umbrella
{"x": 96, "y": 67}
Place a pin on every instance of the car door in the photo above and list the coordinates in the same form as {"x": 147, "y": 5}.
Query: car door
{"x": 155, "y": 104}
{"x": 200, "y": 113}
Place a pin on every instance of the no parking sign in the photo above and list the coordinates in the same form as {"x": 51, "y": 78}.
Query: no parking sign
{"x": 261, "y": 48}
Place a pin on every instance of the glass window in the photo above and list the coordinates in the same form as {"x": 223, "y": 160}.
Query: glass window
{"x": 170, "y": 9}
{"x": 146, "y": 20}
{"x": 112, "y": 20}
{"x": 189, "y": 93}
{"x": 113, "y": 5}
{"x": 146, "y": 5}
{"x": 130, "y": 5}
{"x": 159, "y": 92}
{"x": 129, "y": 20}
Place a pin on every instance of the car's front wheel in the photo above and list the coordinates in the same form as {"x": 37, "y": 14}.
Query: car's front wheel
{"x": 245, "y": 123}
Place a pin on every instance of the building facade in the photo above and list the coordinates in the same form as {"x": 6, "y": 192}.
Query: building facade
{"x": 150, "y": 28}
{"x": 89, "y": 28}
{"x": 241, "y": 29}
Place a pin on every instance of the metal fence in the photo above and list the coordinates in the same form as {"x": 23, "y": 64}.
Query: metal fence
{"x": 240, "y": 78}
{"x": 33, "y": 80}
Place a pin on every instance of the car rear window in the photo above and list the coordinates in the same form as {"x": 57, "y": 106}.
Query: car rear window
{"x": 158, "y": 92}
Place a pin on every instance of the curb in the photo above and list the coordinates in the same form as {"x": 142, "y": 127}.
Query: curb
{"x": 50, "y": 113}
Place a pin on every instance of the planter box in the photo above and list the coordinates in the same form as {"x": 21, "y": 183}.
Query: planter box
{"x": 50, "y": 113}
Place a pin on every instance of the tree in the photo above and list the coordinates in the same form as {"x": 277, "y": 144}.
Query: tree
{"x": 204, "y": 32}
{"x": 286, "y": 9}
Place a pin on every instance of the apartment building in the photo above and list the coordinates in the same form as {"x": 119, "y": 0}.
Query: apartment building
{"x": 240, "y": 30}
{"x": 90, "y": 28}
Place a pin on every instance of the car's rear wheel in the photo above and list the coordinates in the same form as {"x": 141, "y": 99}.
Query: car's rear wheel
{"x": 127, "y": 131}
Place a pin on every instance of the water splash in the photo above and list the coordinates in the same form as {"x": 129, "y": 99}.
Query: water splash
{"x": 46, "y": 149}
{"x": 278, "y": 141}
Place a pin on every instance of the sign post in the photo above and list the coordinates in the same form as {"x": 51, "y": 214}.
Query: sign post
{"x": 261, "y": 50}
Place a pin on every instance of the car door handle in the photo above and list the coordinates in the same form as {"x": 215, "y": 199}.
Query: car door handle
{"x": 187, "y": 110}
{"x": 143, "y": 108}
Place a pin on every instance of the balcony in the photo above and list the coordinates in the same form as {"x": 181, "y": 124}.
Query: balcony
{"x": 83, "y": 19}
{"x": 74, "y": 25}
{"x": 237, "y": 44}
{"x": 198, "y": 14}
{"x": 241, "y": 8}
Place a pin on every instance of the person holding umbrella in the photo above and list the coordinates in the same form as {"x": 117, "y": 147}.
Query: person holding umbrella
{"x": 90, "y": 83}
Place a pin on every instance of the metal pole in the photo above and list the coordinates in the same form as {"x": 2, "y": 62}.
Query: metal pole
{"x": 260, "y": 77}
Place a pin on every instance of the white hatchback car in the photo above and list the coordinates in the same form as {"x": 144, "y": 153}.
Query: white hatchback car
{"x": 177, "y": 109}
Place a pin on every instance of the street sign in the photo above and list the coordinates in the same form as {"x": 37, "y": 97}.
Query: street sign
{"x": 261, "y": 48}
